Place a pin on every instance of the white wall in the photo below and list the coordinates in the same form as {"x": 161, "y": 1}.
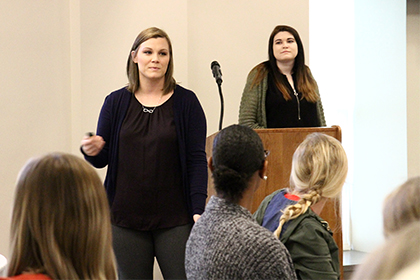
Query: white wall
{"x": 360, "y": 65}
{"x": 380, "y": 118}
{"x": 332, "y": 64}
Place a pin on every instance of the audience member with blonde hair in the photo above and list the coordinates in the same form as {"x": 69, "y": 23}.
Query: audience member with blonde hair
{"x": 402, "y": 206}
{"x": 60, "y": 223}
{"x": 319, "y": 169}
{"x": 400, "y": 251}
{"x": 401, "y": 219}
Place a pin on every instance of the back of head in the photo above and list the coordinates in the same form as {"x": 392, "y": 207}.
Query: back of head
{"x": 398, "y": 252}
{"x": 319, "y": 170}
{"x": 402, "y": 206}
{"x": 60, "y": 222}
{"x": 237, "y": 154}
{"x": 319, "y": 164}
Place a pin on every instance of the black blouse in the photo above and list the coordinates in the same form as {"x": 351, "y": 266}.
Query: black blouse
{"x": 149, "y": 193}
{"x": 283, "y": 113}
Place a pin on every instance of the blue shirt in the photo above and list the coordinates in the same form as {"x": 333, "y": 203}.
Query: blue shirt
{"x": 275, "y": 210}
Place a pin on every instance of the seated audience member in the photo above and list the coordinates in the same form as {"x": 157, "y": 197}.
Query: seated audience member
{"x": 400, "y": 251}
{"x": 60, "y": 223}
{"x": 226, "y": 242}
{"x": 411, "y": 272}
{"x": 319, "y": 169}
{"x": 402, "y": 206}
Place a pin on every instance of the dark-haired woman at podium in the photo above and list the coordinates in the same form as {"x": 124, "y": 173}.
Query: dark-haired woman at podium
{"x": 281, "y": 92}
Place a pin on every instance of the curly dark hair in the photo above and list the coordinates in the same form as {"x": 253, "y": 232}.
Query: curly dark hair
{"x": 237, "y": 154}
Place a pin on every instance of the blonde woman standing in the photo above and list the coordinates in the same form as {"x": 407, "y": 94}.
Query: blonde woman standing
{"x": 319, "y": 169}
{"x": 60, "y": 223}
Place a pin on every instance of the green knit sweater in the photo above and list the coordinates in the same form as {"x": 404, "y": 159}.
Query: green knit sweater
{"x": 252, "y": 110}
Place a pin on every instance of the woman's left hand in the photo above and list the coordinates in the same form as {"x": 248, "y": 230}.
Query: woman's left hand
{"x": 196, "y": 217}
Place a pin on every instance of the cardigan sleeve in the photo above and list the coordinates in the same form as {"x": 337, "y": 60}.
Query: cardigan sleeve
{"x": 103, "y": 130}
{"x": 319, "y": 107}
{"x": 196, "y": 155}
{"x": 320, "y": 112}
{"x": 250, "y": 111}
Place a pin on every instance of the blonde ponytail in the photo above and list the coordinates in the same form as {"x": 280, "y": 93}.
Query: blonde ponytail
{"x": 293, "y": 211}
{"x": 319, "y": 169}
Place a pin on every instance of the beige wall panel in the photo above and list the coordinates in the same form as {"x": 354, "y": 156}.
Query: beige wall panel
{"x": 413, "y": 87}
{"x": 34, "y": 90}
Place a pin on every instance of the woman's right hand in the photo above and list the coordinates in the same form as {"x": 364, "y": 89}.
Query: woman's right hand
{"x": 92, "y": 145}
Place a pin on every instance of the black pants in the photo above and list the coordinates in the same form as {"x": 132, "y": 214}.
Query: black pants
{"x": 135, "y": 252}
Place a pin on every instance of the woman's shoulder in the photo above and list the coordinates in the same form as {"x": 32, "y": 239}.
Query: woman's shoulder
{"x": 184, "y": 96}
{"x": 260, "y": 213}
{"x": 120, "y": 92}
{"x": 28, "y": 276}
{"x": 180, "y": 90}
{"x": 280, "y": 192}
{"x": 257, "y": 69}
{"x": 308, "y": 223}
{"x": 118, "y": 96}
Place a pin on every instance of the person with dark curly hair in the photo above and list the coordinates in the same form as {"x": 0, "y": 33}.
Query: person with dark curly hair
{"x": 226, "y": 242}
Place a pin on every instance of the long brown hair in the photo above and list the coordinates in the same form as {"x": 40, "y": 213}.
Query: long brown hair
{"x": 132, "y": 69}
{"x": 60, "y": 222}
{"x": 305, "y": 82}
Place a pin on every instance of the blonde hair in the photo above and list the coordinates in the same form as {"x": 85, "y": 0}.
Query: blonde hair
{"x": 61, "y": 222}
{"x": 397, "y": 253}
{"x": 319, "y": 169}
{"x": 402, "y": 206}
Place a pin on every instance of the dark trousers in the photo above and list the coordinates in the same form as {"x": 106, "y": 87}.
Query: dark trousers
{"x": 135, "y": 252}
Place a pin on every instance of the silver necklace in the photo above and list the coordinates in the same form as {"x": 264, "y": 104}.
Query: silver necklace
{"x": 150, "y": 111}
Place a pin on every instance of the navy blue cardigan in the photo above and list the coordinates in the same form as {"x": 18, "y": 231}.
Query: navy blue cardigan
{"x": 190, "y": 123}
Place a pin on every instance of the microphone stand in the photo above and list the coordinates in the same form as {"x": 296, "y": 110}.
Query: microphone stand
{"x": 219, "y": 85}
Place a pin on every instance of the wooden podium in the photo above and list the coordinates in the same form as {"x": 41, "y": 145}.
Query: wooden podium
{"x": 282, "y": 143}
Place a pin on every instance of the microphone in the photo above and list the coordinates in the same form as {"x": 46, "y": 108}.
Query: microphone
{"x": 217, "y": 73}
